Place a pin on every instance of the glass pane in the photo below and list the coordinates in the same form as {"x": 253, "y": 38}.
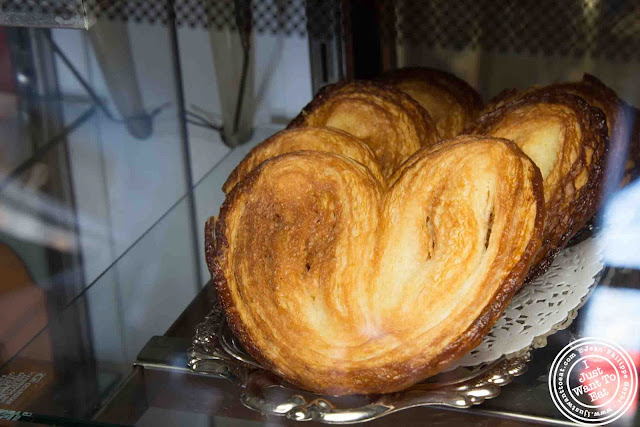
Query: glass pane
{"x": 97, "y": 244}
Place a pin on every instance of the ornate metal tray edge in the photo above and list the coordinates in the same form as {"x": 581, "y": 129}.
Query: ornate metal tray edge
{"x": 215, "y": 352}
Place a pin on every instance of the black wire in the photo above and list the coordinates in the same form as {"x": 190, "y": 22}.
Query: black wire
{"x": 243, "y": 22}
{"x": 87, "y": 87}
{"x": 243, "y": 82}
{"x": 96, "y": 99}
{"x": 197, "y": 120}
{"x": 244, "y": 25}
{"x": 159, "y": 109}
{"x": 204, "y": 125}
{"x": 200, "y": 118}
{"x": 43, "y": 150}
{"x": 196, "y": 109}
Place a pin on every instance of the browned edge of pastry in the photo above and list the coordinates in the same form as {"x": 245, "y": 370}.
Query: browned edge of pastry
{"x": 590, "y": 88}
{"x": 463, "y": 91}
{"x": 241, "y": 168}
{"x": 473, "y": 336}
{"x": 216, "y": 243}
{"x": 622, "y": 122}
{"x": 389, "y": 93}
{"x": 593, "y": 126}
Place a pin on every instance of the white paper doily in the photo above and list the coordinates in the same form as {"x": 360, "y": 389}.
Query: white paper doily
{"x": 542, "y": 306}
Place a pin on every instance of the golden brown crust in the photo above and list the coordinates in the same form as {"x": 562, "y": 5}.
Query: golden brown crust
{"x": 619, "y": 117}
{"x": 343, "y": 287}
{"x": 389, "y": 121}
{"x": 310, "y": 138}
{"x": 449, "y": 100}
{"x": 567, "y": 138}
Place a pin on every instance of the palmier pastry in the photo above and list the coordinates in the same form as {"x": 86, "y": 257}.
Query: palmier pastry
{"x": 308, "y": 138}
{"x": 567, "y": 139}
{"x": 618, "y": 114}
{"x": 449, "y": 100}
{"x": 343, "y": 285}
{"x": 389, "y": 121}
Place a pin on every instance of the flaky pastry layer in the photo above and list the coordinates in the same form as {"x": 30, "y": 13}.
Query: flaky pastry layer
{"x": 567, "y": 139}
{"x": 622, "y": 152}
{"x": 322, "y": 139}
{"x": 390, "y": 122}
{"x": 449, "y": 100}
{"x": 343, "y": 283}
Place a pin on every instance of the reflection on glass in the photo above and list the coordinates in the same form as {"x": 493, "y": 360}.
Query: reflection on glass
{"x": 621, "y": 227}
{"x": 97, "y": 251}
{"x": 611, "y": 314}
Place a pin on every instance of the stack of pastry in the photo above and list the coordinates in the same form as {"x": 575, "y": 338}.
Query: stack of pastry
{"x": 381, "y": 235}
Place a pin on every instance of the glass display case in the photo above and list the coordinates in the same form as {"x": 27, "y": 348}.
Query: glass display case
{"x": 121, "y": 120}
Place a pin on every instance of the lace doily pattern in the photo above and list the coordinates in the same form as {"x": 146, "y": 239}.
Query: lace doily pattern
{"x": 543, "y": 306}
{"x": 216, "y": 352}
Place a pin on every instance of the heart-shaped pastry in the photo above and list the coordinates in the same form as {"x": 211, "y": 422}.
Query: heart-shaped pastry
{"x": 389, "y": 121}
{"x": 343, "y": 282}
{"x": 449, "y": 100}
{"x": 567, "y": 139}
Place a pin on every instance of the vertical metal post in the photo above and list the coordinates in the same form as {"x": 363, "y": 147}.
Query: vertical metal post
{"x": 326, "y": 42}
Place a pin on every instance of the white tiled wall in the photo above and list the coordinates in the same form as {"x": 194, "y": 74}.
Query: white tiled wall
{"x": 123, "y": 184}
{"x": 200, "y": 89}
{"x": 283, "y": 76}
{"x": 157, "y": 279}
{"x": 282, "y": 86}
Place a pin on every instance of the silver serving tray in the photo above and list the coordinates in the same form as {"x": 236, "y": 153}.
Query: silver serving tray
{"x": 216, "y": 352}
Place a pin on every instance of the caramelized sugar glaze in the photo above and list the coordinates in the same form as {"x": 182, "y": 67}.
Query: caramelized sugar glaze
{"x": 392, "y": 124}
{"x": 567, "y": 139}
{"x": 343, "y": 281}
{"x": 323, "y": 139}
{"x": 449, "y": 100}
{"x": 622, "y": 120}
{"x": 357, "y": 252}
